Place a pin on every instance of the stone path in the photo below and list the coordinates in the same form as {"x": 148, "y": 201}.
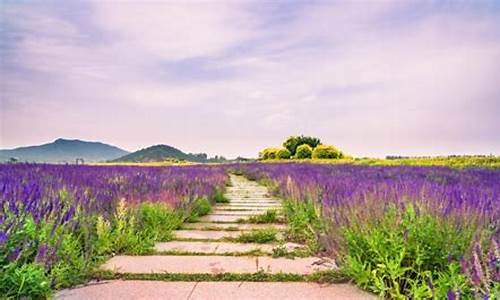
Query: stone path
{"x": 208, "y": 247}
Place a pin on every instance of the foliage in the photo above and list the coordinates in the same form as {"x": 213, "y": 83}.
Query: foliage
{"x": 201, "y": 207}
{"x": 293, "y": 142}
{"x": 398, "y": 256}
{"x": 159, "y": 220}
{"x": 260, "y": 236}
{"x": 303, "y": 151}
{"x": 269, "y": 153}
{"x": 326, "y": 152}
{"x": 18, "y": 280}
{"x": 270, "y": 216}
{"x": 219, "y": 196}
{"x": 284, "y": 153}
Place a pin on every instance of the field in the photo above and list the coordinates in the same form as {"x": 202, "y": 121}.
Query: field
{"x": 396, "y": 231}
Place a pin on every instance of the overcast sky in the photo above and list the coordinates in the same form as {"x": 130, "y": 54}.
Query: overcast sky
{"x": 232, "y": 77}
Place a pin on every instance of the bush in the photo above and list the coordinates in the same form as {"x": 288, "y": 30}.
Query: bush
{"x": 200, "y": 208}
{"x": 326, "y": 152}
{"x": 159, "y": 220}
{"x": 405, "y": 254}
{"x": 304, "y": 151}
{"x": 269, "y": 153}
{"x": 284, "y": 153}
{"x": 293, "y": 142}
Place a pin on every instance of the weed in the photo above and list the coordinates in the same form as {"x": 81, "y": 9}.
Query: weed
{"x": 260, "y": 236}
{"x": 270, "y": 216}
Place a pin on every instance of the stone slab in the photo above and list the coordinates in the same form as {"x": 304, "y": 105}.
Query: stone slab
{"x": 212, "y": 247}
{"x": 277, "y": 290}
{"x": 219, "y": 218}
{"x": 156, "y": 290}
{"x": 130, "y": 289}
{"x": 246, "y": 206}
{"x": 242, "y": 213}
{"x": 238, "y": 226}
{"x": 205, "y": 234}
{"x": 211, "y": 264}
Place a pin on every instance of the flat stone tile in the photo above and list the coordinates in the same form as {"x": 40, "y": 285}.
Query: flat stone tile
{"x": 181, "y": 264}
{"x": 211, "y": 264}
{"x": 277, "y": 290}
{"x": 238, "y": 226}
{"x": 129, "y": 289}
{"x": 219, "y": 218}
{"x": 242, "y": 213}
{"x": 261, "y": 209}
{"x": 205, "y": 234}
{"x": 212, "y": 247}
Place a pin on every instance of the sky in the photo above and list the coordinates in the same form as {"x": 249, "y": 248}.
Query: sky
{"x": 374, "y": 78}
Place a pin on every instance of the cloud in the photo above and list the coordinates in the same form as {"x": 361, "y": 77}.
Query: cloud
{"x": 376, "y": 78}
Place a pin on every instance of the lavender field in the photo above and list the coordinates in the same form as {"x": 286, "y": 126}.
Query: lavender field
{"x": 397, "y": 231}
{"x": 57, "y": 222}
{"x": 436, "y": 227}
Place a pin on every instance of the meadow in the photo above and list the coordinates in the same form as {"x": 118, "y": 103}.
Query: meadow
{"x": 397, "y": 231}
{"x": 58, "y": 223}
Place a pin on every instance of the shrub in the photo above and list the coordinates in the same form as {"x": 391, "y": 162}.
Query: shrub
{"x": 304, "y": 151}
{"x": 293, "y": 142}
{"x": 326, "y": 152}
{"x": 284, "y": 153}
{"x": 269, "y": 153}
{"x": 200, "y": 208}
{"x": 159, "y": 220}
{"x": 403, "y": 254}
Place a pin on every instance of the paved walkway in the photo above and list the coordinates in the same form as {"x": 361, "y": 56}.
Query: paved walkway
{"x": 208, "y": 247}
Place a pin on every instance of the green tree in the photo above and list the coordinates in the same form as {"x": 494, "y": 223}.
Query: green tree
{"x": 303, "y": 151}
{"x": 326, "y": 152}
{"x": 269, "y": 153}
{"x": 283, "y": 153}
{"x": 294, "y": 141}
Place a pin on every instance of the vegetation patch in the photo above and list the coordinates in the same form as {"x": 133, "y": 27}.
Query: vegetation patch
{"x": 270, "y": 216}
{"x": 261, "y": 276}
{"x": 260, "y": 236}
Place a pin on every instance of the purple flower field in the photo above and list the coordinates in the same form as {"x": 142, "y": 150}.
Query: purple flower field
{"x": 42, "y": 207}
{"x": 434, "y": 218}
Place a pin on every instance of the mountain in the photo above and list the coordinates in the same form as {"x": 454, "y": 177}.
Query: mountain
{"x": 161, "y": 153}
{"x": 63, "y": 150}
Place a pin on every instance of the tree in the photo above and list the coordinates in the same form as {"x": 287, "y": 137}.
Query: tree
{"x": 283, "y": 153}
{"x": 326, "y": 152}
{"x": 269, "y": 153}
{"x": 294, "y": 141}
{"x": 303, "y": 151}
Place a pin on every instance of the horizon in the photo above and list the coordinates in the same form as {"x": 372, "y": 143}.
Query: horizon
{"x": 226, "y": 78}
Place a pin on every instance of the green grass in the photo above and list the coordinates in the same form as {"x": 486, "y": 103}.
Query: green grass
{"x": 260, "y": 236}
{"x": 261, "y": 276}
{"x": 270, "y": 216}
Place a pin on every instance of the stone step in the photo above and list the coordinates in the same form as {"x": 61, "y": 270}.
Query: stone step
{"x": 255, "y": 202}
{"x": 262, "y": 209}
{"x": 219, "y": 218}
{"x": 237, "y": 226}
{"x": 245, "y": 204}
{"x": 212, "y": 247}
{"x": 205, "y": 234}
{"x": 158, "y": 290}
{"x": 200, "y": 264}
{"x": 243, "y": 213}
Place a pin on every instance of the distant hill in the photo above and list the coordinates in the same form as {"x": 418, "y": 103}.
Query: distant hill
{"x": 63, "y": 150}
{"x": 161, "y": 153}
